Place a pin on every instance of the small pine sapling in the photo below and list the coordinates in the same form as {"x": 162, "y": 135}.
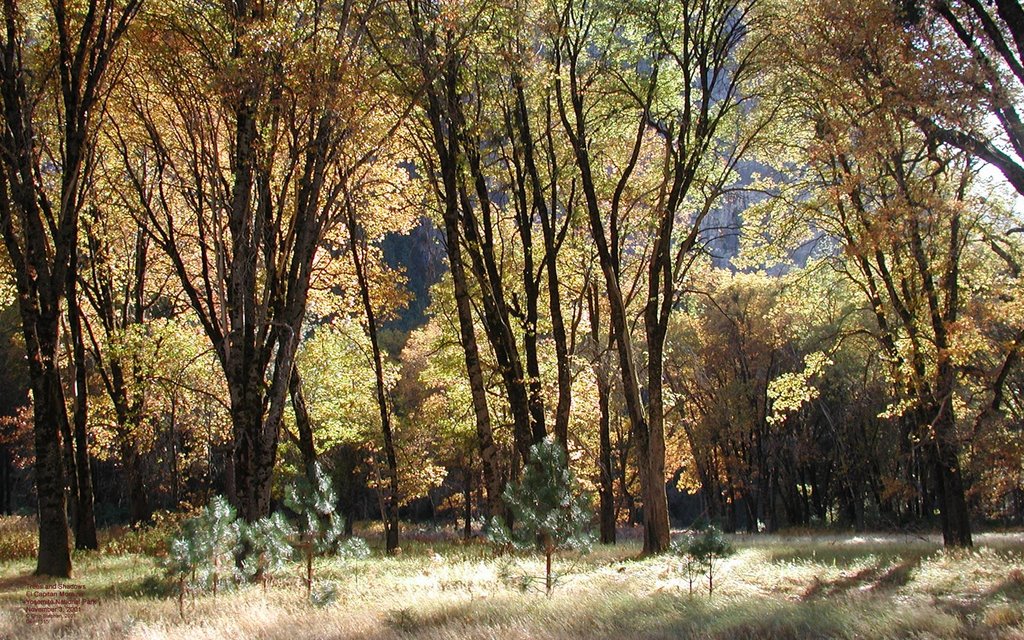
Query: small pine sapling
{"x": 205, "y": 550}
{"x": 269, "y": 541}
{"x": 180, "y": 565}
{"x": 703, "y": 550}
{"x": 690, "y": 564}
{"x": 549, "y": 509}
{"x": 321, "y": 527}
{"x": 221, "y": 541}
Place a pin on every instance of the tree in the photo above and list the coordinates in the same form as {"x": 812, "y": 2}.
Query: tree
{"x": 269, "y": 547}
{"x": 982, "y": 70}
{"x": 685, "y": 103}
{"x": 703, "y": 548}
{"x": 550, "y": 510}
{"x": 204, "y": 551}
{"x": 320, "y": 526}
{"x": 358, "y": 252}
{"x": 283, "y": 90}
{"x": 905, "y": 215}
{"x": 39, "y": 217}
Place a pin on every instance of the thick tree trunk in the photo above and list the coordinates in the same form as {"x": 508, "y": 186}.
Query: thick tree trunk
{"x": 346, "y": 481}
{"x": 949, "y": 486}
{"x": 139, "y": 510}
{"x": 54, "y": 557}
{"x": 656, "y": 520}
{"x": 956, "y": 524}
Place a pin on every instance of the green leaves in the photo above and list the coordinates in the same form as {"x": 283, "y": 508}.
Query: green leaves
{"x": 701, "y": 550}
{"x": 206, "y": 549}
{"x": 270, "y": 546}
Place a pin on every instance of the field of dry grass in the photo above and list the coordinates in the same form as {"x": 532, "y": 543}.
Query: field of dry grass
{"x": 773, "y": 587}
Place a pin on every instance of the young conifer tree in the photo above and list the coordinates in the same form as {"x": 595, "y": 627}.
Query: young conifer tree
{"x": 321, "y": 527}
{"x": 549, "y": 509}
{"x": 203, "y": 554}
{"x": 270, "y": 547}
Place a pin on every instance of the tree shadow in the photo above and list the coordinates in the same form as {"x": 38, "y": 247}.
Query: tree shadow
{"x": 880, "y": 576}
{"x": 1009, "y": 589}
{"x": 23, "y": 581}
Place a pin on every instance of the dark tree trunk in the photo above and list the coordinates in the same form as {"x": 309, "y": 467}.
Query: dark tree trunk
{"x": 467, "y": 496}
{"x": 54, "y": 551}
{"x": 606, "y": 491}
{"x": 307, "y": 449}
{"x": 955, "y": 517}
{"x": 41, "y": 245}
{"x": 5, "y": 481}
{"x": 446, "y": 148}
{"x": 346, "y": 481}
{"x": 606, "y": 484}
{"x": 391, "y": 499}
{"x": 553, "y": 238}
{"x": 85, "y": 517}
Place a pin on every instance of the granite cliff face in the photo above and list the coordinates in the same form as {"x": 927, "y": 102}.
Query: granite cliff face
{"x": 421, "y": 256}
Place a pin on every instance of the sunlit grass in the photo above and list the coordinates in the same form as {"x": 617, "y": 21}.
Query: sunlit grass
{"x": 773, "y": 587}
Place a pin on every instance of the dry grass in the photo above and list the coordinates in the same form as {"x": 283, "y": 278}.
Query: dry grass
{"x": 774, "y": 587}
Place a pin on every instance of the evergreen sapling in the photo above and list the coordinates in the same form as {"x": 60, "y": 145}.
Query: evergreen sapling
{"x": 701, "y": 550}
{"x": 270, "y": 548}
{"x": 205, "y": 550}
{"x": 549, "y": 509}
{"x": 321, "y": 527}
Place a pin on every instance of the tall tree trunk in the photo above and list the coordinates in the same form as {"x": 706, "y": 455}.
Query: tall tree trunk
{"x": 606, "y": 485}
{"x": 552, "y": 243}
{"x": 446, "y": 149}
{"x": 54, "y": 540}
{"x": 467, "y": 496}
{"x": 656, "y": 520}
{"x": 357, "y": 247}
{"x": 953, "y": 512}
{"x": 85, "y": 517}
{"x": 606, "y": 491}
{"x": 956, "y": 524}
{"x": 39, "y": 320}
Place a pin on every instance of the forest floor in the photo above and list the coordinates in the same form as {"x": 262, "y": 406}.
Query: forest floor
{"x": 828, "y": 586}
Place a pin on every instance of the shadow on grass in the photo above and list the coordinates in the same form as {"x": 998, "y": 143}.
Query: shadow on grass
{"x": 1007, "y": 590}
{"x": 21, "y": 582}
{"x": 845, "y": 556}
{"x": 151, "y": 587}
{"x": 653, "y": 616}
{"x": 878, "y": 577}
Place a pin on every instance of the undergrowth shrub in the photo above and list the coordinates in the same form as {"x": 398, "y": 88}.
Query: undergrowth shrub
{"x": 202, "y": 556}
{"x": 321, "y": 528}
{"x": 269, "y": 546}
{"x": 207, "y": 552}
{"x": 19, "y": 538}
{"x": 148, "y": 539}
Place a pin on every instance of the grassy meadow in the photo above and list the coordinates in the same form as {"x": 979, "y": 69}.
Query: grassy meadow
{"x": 821, "y": 586}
